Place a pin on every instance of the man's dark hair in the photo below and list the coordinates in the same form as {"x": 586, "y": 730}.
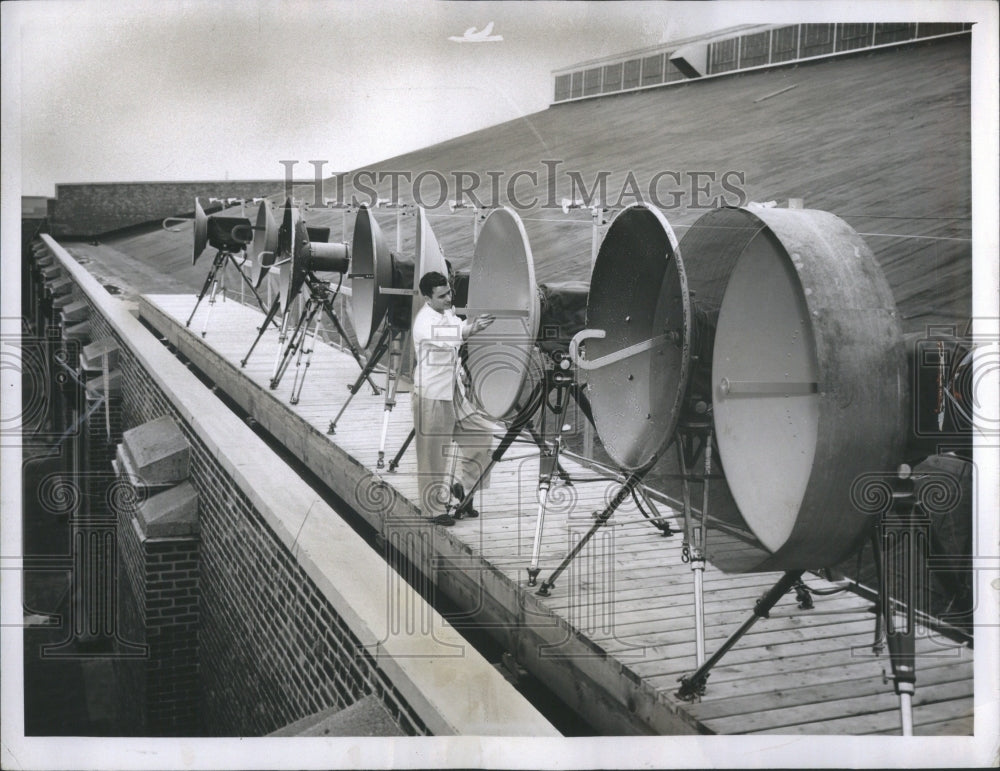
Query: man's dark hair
{"x": 429, "y": 281}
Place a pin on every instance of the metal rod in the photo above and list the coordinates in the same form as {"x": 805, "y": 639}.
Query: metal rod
{"x": 698, "y": 561}
{"x": 282, "y": 336}
{"x": 380, "y": 348}
{"x": 513, "y": 431}
{"x": 549, "y": 462}
{"x": 263, "y": 328}
{"x": 693, "y": 685}
{"x": 332, "y": 314}
{"x": 691, "y": 549}
{"x": 906, "y": 713}
{"x": 394, "y": 463}
{"x": 209, "y": 279}
{"x": 297, "y": 383}
{"x": 211, "y": 305}
{"x": 699, "y": 613}
{"x": 391, "y": 376}
{"x": 623, "y": 493}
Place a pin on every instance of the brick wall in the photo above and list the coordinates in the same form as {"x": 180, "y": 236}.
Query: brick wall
{"x": 129, "y": 671}
{"x": 272, "y": 649}
{"x": 94, "y": 209}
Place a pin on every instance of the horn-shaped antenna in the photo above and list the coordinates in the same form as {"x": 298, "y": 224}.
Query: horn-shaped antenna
{"x": 371, "y": 272}
{"x": 502, "y": 281}
{"x": 200, "y": 220}
{"x": 301, "y": 255}
{"x": 806, "y": 371}
{"x": 429, "y": 258}
{"x": 639, "y": 332}
{"x": 264, "y": 247}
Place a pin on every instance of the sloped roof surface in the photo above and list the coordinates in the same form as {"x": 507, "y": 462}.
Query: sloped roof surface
{"x": 881, "y": 139}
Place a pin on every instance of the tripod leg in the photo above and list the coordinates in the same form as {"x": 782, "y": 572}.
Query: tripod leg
{"x": 298, "y": 383}
{"x": 693, "y": 685}
{"x": 263, "y": 328}
{"x": 293, "y": 345}
{"x": 699, "y": 533}
{"x": 253, "y": 289}
{"x": 496, "y": 456}
{"x": 328, "y": 307}
{"x": 620, "y": 496}
{"x": 209, "y": 279}
{"x": 549, "y": 464}
{"x": 584, "y": 401}
{"x": 395, "y": 355}
{"x": 211, "y": 305}
{"x": 394, "y": 463}
{"x": 563, "y": 474}
{"x": 377, "y": 354}
{"x": 904, "y": 552}
{"x": 693, "y": 555}
{"x": 543, "y": 494}
{"x": 282, "y": 337}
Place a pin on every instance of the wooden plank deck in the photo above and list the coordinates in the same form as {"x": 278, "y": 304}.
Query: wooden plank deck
{"x": 618, "y": 631}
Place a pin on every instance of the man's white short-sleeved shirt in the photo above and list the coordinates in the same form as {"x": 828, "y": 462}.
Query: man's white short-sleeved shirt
{"x": 436, "y": 340}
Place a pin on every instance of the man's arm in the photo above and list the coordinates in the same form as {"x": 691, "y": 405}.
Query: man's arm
{"x": 469, "y": 328}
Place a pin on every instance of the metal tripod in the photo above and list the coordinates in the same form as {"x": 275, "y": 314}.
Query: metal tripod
{"x": 628, "y": 488}
{"x": 321, "y": 297}
{"x": 213, "y": 280}
{"x": 693, "y": 686}
{"x": 900, "y": 550}
{"x": 396, "y": 345}
{"x": 522, "y": 422}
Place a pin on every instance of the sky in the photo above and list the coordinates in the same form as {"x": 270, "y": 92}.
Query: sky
{"x": 214, "y": 90}
{"x": 150, "y": 90}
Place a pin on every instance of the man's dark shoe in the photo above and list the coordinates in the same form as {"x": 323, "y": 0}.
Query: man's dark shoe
{"x": 466, "y": 511}
{"x": 442, "y": 519}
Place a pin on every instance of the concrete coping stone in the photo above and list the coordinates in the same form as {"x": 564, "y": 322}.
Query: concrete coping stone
{"x": 59, "y": 280}
{"x": 61, "y": 285}
{"x": 80, "y": 331}
{"x": 159, "y": 451}
{"x": 95, "y": 385}
{"x": 365, "y": 717}
{"x": 91, "y": 356}
{"x": 67, "y": 298}
{"x": 125, "y": 470}
{"x": 172, "y": 513}
{"x": 78, "y": 310}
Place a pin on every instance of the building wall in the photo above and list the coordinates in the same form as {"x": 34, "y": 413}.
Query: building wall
{"x": 85, "y": 210}
{"x": 272, "y": 649}
{"x": 295, "y": 608}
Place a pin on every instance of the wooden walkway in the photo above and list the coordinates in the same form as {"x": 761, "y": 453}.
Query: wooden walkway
{"x": 618, "y": 631}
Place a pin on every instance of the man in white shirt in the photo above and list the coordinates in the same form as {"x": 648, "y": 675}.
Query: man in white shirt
{"x": 441, "y": 413}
